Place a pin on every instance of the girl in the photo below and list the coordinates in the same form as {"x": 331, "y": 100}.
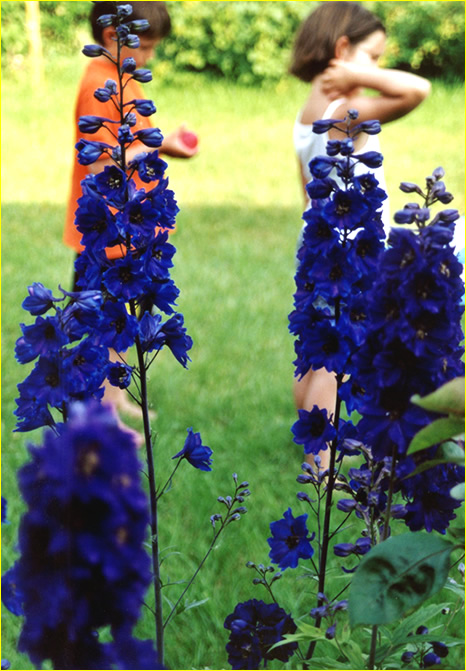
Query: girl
{"x": 337, "y": 49}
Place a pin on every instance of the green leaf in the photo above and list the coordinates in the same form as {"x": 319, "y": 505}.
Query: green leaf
{"x": 396, "y": 576}
{"x": 305, "y": 632}
{"x": 327, "y": 663}
{"x": 448, "y": 399}
{"x": 353, "y": 654}
{"x": 457, "y": 492}
{"x": 436, "y": 432}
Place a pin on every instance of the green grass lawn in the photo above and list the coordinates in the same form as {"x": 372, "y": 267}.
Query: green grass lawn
{"x": 241, "y": 205}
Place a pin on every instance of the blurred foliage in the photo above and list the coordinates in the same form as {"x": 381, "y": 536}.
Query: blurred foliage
{"x": 250, "y": 42}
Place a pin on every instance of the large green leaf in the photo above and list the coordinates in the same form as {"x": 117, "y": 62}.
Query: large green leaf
{"x": 447, "y": 399}
{"x": 436, "y": 432}
{"x": 396, "y": 576}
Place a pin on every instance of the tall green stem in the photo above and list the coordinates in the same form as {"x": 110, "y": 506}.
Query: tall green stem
{"x": 328, "y": 515}
{"x": 386, "y": 526}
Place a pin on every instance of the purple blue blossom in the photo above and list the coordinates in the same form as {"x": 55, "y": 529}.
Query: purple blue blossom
{"x": 255, "y": 627}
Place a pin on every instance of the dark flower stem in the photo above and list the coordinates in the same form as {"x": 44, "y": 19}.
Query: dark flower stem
{"x": 326, "y": 535}
{"x": 225, "y": 521}
{"x": 386, "y": 527}
{"x": 153, "y": 499}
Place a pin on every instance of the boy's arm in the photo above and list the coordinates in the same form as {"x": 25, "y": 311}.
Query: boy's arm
{"x": 172, "y": 145}
{"x": 399, "y": 92}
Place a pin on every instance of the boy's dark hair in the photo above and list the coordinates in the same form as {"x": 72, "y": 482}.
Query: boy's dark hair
{"x": 154, "y": 12}
{"x": 317, "y": 36}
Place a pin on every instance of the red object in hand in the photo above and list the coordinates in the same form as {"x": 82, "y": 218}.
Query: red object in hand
{"x": 189, "y": 139}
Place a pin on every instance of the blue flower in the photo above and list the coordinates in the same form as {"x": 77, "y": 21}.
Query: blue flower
{"x": 85, "y": 367}
{"x": 195, "y": 452}
{"x": 138, "y": 219}
{"x": 47, "y": 381}
{"x": 4, "y": 510}
{"x": 313, "y": 430}
{"x": 32, "y": 413}
{"x": 83, "y": 563}
{"x": 158, "y": 257}
{"x": 42, "y": 337}
{"x": 112, "y": 183}
{"x": 119, "y": 374}
{"x": 176, "y": 338}
{"x": 118, "y": 329}
{"x": 125, "y": 279}
{"x": 290, "y": 541}
{"x": 255, "y": 627}
{"x": 90, "y": 151}
{"x": 12, "y": 594}
{"x": 40, "y": 299}
{"x": 150, "y": 166}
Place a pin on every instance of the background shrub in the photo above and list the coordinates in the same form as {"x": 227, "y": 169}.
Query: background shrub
{"x": 250, "y": 42}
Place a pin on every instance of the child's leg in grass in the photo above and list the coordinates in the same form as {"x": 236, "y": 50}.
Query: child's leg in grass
{"x": 317, "y": 387}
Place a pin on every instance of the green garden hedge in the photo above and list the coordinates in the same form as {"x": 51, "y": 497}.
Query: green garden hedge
{"x": 249, "y": 42}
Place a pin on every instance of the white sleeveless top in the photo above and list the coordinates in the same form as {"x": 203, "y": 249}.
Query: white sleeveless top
{"x": 308, "y": 145}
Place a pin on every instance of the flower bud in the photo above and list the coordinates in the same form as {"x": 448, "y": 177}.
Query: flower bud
{"x": 304, "y": 479}
{"x": 346, "y": 505}
{"x": 130, "y": 119}
{"x": 93, "y": 50}
{"x": 128, "y": 65}
{"x": 322, "y": 126}
{"x": 330, "y": 633}
{"x": 353, "y": 114}
{"x": 371, "y": 127}
{"x": 90, "y": 124}
{"x": 139, "y": 25}
{"x": 124, "y": 11}
{"x": 407, "y": 656}
{"x": 410, "y": 187}
{"x": 371, "y": 159}
{"x": 250, "y": 564}
{"x": 422, "y": 630}
{"x": 431, "y": 659}
{"x": 333, "y": 147}
{"x": 132, "y": 41}
{"x": 151, "y": 137}
{"x": 438, "y": 173}
{"x": 105, "y": 20}
{"x": 439, "y": 648}
{"x": 302, "y": 496}
{"x": 142, "y": 76}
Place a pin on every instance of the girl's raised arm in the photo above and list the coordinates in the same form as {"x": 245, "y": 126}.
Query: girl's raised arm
{"x": 399, "y": 92}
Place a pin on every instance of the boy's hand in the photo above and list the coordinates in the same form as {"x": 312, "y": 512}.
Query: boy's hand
{"x": 180, "y": 143}
{"x": 338, "y": 79}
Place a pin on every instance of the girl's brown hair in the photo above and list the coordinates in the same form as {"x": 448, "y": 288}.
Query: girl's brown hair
{"x": 316, "y": 39}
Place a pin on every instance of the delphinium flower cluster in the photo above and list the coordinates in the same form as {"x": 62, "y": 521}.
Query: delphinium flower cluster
{"x": 386, "y": 321}
{"x": 413, "y": 346}
{"x": 83, "y": 564}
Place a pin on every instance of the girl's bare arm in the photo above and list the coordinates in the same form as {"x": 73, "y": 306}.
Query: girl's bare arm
{"x": 399, "y": 92}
